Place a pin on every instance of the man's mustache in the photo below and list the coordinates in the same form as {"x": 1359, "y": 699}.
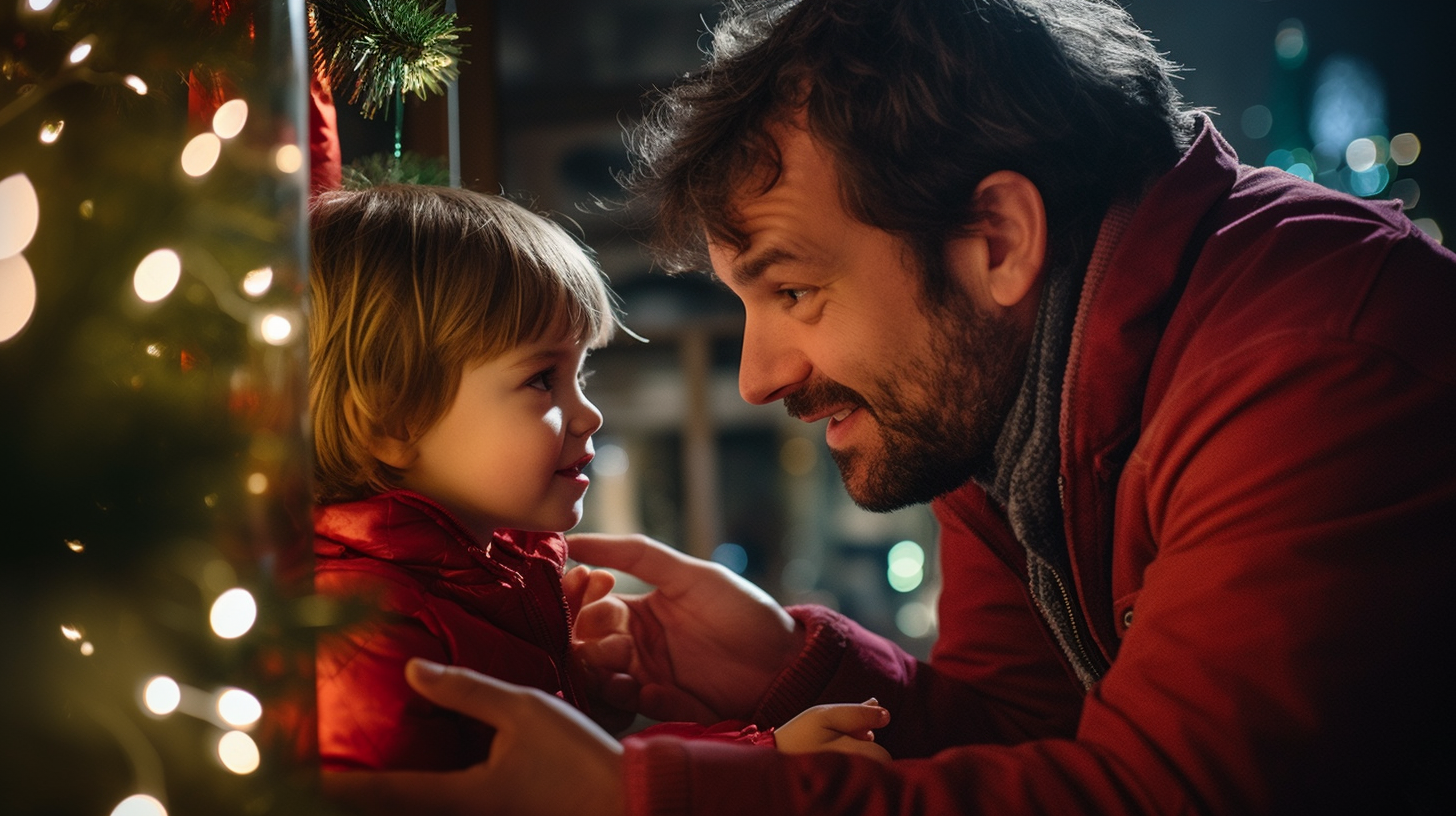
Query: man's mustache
{"x": 815, "y": 397}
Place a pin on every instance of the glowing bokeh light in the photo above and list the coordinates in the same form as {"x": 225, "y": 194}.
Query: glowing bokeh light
{"x": 906, "y": 567}
{"x": 1431, "y": 228}
{"x": 139, "y": 804}
{"x": 162, "y": 695}
{"x": 157, "y": 275}
{"x": 257, "y": 282}
{"x": 275, "y": 329}
{"x": 1301, "y": 170}
{"x": 1368, "y": 182}
{"x": 238, "y": 752}
{"x": 40, "y": 5}
{"x": 1348, "y": 101}
{"x": 233, "y": 613}
{"x": 17, "y": 295}
{"x": 1290, "y": 45}
{"x": 288, "y": 159}
{"x": 230, "y": 118}
{"x": 611, "y": 460}
{"x": 1361, "y": 155}
{"x": 51, "y": 131}
{"x": 75, "y": 546}
{"x": 201, "y": 154}
{"x": 238, "y": 708}
{"x": 87, "y": 649}
{"x": 136, "y": 83}
{"x": 257, "y": 484}
{"x": 80, "y": 52}
{"x": 915, "y": 619}
{"x": 21, "y": 210}
{"x": 798, "y": 456}
{"x": 1405, "y": 148}
{"x": 732, "y": 556}
{"x": 71, "y": 632}
{"x": 1407, "y": 191}
{"x": 1257, "y": 121}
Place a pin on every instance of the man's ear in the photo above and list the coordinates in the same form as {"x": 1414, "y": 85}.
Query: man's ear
{"x": 391, "y": 450}
{"x": 1001, "y": 258}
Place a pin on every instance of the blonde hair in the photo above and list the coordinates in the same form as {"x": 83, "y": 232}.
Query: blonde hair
{"x": 410, "y": 283}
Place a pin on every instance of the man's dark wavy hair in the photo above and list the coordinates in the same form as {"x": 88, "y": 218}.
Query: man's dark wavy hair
{"x": 918, "y": 101}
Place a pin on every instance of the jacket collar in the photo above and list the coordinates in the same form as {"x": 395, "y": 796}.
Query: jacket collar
{"x": 412, "y": 530}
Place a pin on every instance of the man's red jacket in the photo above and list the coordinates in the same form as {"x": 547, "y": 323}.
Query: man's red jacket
{"x": 1259, "y": 466}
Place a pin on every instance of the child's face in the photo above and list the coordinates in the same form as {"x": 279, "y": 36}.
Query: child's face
{"x": 510, "y": 449}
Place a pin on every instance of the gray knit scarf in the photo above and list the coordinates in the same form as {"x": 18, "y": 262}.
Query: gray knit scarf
{"x": 1023, "y": 476}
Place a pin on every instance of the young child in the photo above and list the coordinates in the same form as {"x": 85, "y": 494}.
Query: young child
{"x": 447, "y": 337}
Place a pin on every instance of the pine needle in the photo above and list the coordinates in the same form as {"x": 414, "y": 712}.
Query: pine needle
{"x": 381, "y": 49}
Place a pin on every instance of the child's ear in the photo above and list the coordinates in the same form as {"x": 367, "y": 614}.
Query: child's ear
{"x": 387, "y": 448}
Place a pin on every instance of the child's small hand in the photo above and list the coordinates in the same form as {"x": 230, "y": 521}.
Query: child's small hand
{"x": 845, "y": 727}
{"x": 582, "y": 585}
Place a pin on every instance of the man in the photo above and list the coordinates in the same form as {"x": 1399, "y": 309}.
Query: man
{"x": 1183, "y": 423}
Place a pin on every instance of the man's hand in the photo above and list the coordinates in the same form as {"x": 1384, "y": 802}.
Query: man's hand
{"x": 847, "y": 728}
{"x": 540, "y": 741}
{"x": 702, "y": 647}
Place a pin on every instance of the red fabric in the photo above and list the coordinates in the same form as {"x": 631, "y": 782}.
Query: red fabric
{"x": 1260, "y": 477}
{"x": 425, "y": 587}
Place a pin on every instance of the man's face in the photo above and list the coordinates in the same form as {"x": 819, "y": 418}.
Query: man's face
{"x": 836, "y": 327}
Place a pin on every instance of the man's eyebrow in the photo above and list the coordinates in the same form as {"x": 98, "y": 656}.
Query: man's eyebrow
{"x": 749, "y": 271}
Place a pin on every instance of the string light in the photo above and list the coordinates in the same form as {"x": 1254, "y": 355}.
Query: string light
{"x": 136, "y": 84}
{"x": 157, "y": 275}
{"x": 229, "y": 119}
{"x": 21, "y": 217}
{"x": 74, "y": 545}
{"x": 81, "y": 51}
{"x": 71, "y": 632}
{"x": 275, "y": 329}
{"x": 238, "y": 708}
{"x": 288, "y": 159}
{"x": 139, "y": 804}
{"x": 257, "y": 282}
{"x": 201, "y": 154}
{"x": 17, "y": 295}
{"x": 233, "y": 613}
{"x": 162, "y": 695}
{"x": 238, "y": 752}
{"x": 51, "y": 131}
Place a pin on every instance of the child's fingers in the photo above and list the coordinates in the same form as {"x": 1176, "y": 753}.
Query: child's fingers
{"x": 854, "y": 719}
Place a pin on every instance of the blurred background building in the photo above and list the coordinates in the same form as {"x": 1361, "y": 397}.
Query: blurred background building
{"x": 1354, "y": 95}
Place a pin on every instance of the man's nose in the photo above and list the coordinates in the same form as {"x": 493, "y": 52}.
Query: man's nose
{"x": 772, "y": 367}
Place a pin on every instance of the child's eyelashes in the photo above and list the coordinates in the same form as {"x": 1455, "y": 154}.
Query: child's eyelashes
{"x": 546, "y": 380}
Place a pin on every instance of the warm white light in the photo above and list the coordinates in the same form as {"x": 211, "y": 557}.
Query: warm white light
{"x": 200, "y": 155}
{"x": 1405, "y": 148}
{"x": 288, "y": 159}
{"x": 71, "y": 632}
{"x": 1431, "y": 228}
{"x": 238, "y": 708}
{"x": 257, "y": 282}
{"x": 87, "y": 649}
{"x": 80, "y": 52}
{"x": 157, "y": 275}
{"x": 238, "y": 752}
{"x": 139, "y": 804}
{"x": 75, "y": 546}
{"x": 136, "y": 84}
{"x": 21, "y": 214}
{"x": 233, "y": 613}
{"x": 162, "y": 695}
{"x": 275, "y": 329}
{"x": 40, "y": 5}
{"x": 230, "y": 118}
{"x": 17, "y": 295}
{"x": 51, "y": 131}
{"x": 915, "y": 619}
{"x": 257, "y": 484}
{"x": 1361, "y": 154}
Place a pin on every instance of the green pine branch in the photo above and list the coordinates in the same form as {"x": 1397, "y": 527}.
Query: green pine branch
{"x": 382, "y": 49}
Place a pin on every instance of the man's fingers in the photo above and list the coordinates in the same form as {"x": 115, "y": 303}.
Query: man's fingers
{"x": 460, "y": 689}
{"x": 652, "y": 561}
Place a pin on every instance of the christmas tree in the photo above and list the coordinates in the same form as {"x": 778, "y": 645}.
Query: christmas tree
{"x": 156, "y": 600}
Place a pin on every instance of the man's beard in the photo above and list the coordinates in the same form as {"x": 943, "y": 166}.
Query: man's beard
{"x": 939, "y": 418}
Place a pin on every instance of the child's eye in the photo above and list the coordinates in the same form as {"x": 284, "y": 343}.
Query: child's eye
{"x": 794, "y": 295}
{"x": 543, "y": 381}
